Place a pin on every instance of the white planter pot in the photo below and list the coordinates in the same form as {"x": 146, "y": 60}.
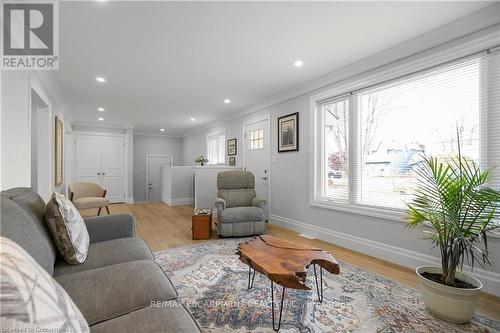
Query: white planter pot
{"x": 456, "y": 305}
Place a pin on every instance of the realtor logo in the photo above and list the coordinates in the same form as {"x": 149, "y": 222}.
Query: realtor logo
{"x": 30, "y": 36}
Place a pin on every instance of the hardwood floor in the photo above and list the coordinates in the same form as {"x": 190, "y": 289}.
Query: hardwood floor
{"x": 165, "y": 227}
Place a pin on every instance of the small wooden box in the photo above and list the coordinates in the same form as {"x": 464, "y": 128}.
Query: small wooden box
{"x": 201, "y": 223}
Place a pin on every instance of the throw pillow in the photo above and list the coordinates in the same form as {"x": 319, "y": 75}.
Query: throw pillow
{"x": 30, "y": 299}
{"x": 68, "y": 229}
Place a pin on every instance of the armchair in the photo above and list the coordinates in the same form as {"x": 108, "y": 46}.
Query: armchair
{"x": 86, "y": 195}
{"x": 239, "y": 210}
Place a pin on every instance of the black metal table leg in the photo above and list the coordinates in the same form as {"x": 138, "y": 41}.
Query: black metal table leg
{"x": 276, "y": 329}
{"x": 320, "y": 295}
{"x": 250, "y": 285}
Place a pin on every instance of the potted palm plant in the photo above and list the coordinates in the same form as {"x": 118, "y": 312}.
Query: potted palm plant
{"x": 457, "y": 210}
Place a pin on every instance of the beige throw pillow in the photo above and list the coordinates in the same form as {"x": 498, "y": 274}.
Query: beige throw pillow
{"x": 68, "y": 229}
{"x": 30, "y": 299}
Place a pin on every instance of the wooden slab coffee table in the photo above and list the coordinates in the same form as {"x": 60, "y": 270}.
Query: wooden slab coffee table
{"x": 285, "y": 263}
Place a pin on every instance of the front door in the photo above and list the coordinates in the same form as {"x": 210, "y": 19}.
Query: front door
{"x": 153, "y": 176}
{"x": 256, "y": 158}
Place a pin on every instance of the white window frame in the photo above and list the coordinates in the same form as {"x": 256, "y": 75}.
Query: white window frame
{"x": 217, "y": 134}
{"x": 392, "y": 71}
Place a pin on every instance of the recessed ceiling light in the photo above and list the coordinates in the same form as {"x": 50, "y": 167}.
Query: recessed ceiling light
{"x": 100, "y": 79}
{"x": 227, "y": 101}
{"x": 162, "y": 129}
{"x": 298, "y": 63}
{"x": 100, "y": 118}
{"x": 100, "y": 109}
{"x": 193, "y": 119}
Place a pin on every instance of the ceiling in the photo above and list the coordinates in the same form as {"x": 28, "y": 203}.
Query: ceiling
{"x": 167, "y": 62}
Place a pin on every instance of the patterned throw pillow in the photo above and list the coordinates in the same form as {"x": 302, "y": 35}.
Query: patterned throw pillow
{"x": 67, "y": 228}
{"x": 30, "y": 299}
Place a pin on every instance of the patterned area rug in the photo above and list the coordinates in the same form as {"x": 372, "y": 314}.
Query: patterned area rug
{"x": 212, "y": 283}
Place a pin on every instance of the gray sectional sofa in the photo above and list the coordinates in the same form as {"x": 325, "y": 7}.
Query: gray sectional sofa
{"x": 118, "y": 283}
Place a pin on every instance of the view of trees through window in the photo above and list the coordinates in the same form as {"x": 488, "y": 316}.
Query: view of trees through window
{"x": 397, "y": 123}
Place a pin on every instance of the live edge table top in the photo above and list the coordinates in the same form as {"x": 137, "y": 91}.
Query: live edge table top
{"x": 284, "y": 262}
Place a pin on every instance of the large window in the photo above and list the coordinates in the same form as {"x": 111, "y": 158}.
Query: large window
{"x": 216, "y": 149}
{"x": 370, "y": 141}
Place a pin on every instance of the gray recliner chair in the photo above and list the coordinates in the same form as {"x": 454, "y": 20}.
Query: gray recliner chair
{"x": 239, "y": 210}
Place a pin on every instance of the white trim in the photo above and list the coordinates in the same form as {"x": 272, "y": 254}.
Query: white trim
{"x": 393, "y": 254}
{"x": 129, "y": 200}
{"x": 148, "y": 156}
{"x": 244, "y": 124}
{"x": 177, "y": 201}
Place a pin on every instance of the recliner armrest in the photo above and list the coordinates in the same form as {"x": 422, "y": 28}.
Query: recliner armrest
{"x": 102, "y": 228}
{"x": 258, "y": 202}
{"x": 220, "y": 204}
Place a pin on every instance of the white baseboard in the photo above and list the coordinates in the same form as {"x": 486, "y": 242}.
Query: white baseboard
{"x": 397, "y": 255}
{"x": 130, "y": 200}
{"x": 177, "y": 201}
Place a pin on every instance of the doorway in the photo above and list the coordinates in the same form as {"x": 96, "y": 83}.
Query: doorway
{"x": 256, "y": 149}
{"x": 41, "y": 152}
{"x": 153, "y": 179}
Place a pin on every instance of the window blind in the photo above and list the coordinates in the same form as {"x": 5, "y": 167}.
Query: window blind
{"x": 402, "y": 120}
{"x": 490, "y": 120}
{"x": 384, "y": 129}
{"x": 216, "y": 149}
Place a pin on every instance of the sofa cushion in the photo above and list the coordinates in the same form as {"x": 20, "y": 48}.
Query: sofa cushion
{"x": 31, "y": 300}
{"x": 90, "y": 202}
{"x": 22, "y": 223}
{"x": 242, "y": 214}
{"x": 67, "y": 228}
{"x": 173, "y": 317}
{"x": 108, "y": 292}
{"x": 108, "y": 253}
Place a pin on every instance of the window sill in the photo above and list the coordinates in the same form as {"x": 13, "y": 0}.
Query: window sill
{"x": 380, "y": 213}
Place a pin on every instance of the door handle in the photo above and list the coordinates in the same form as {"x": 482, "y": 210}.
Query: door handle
{"x": 265, "y": 178}
{"x": 98, "y": 173}
{"x": 103, "y": 173}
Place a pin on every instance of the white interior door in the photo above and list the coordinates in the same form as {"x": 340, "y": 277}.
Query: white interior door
{"x": 112, "y": 167}
{"x": 256, "y": 158}
{"x": 100, "y": 160}
{"x": 154, "y": 162}
{"x": 88, "y": 158}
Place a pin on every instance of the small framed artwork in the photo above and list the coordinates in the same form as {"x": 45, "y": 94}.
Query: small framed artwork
{"x": 59, "y": 151}
{"x": 231, "y": 147}
{"x": 232, "y": 161}
{"x": 288, "y": 133}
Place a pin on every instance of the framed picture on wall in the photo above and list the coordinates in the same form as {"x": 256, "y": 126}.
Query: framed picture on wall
{"x": 288, "y": 133}
{"x": 59, "y": 131}
{"x": 232, "y": 161}
{"x": 231, "y": 147}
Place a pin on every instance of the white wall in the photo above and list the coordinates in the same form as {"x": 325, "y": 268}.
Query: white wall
{"x": 15, "y": 103}
{"x": 143, "y": 145}
{"x": 16, "y": 124}
{"x": 290, "y": 202}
